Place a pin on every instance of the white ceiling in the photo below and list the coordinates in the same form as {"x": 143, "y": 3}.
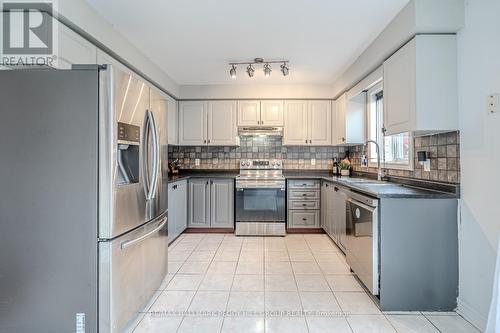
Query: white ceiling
{"x": 194, "y": 40}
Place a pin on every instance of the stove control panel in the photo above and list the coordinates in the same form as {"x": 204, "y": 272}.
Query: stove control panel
{"x": 261, "y": 164}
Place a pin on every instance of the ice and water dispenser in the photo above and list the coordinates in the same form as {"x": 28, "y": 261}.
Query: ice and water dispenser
{"x": 128, "y": 153}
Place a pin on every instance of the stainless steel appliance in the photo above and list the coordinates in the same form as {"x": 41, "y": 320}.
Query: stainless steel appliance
{"x": 260, "y": 198}
{"x": 362, "y": 241}
{"x": 83, "y": 232}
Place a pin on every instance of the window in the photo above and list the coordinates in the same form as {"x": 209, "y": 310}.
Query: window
{"x": 397, "y": 150}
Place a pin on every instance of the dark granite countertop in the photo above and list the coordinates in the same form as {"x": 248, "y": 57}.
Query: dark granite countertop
{"x": 367, "y": 185}
{"x": 185, "y": 174}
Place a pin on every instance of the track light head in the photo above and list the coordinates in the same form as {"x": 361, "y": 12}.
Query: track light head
{"x": 232, "y": 72}
{"x": 250, "y": 70}
{"x": 267, "y": 70}
{"x": 285, "y": 69}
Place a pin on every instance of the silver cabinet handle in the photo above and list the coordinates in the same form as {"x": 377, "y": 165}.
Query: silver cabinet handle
{"x": 139, "y": 239}
{"x": 208, "y": 141}
{"x": 306, "y": 141}
{"x": 204, "y": 141}
{"x": 310, "y": 141}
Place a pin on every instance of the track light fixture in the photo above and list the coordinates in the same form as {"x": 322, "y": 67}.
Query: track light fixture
{"x": 250, "y": 70}
{"x": 285, "y": 69}
{"x": 267, "y": 70}
{"x": 232, "y": 72}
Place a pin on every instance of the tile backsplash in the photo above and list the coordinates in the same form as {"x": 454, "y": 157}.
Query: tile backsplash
{"x": 444, "y": 150}
{"x": 444, "y": 154}
{"x": 255, "y": 148}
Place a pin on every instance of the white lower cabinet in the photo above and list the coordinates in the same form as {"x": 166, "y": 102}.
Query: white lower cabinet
{"x": 211, "y": 203}
{"x": 177, "y": 208}
{"x": 333, "y": 212}
{"x": 303, "y": 203}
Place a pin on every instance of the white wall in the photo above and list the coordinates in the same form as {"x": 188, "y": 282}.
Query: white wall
{"x": 87, "y": 19}
{"x": 242, "y": 91}
{"x": 419, "y": 16}
{"x": 479, "y": 75}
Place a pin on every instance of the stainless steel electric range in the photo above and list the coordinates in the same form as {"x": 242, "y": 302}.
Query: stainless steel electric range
{"x": 260, "y": 198}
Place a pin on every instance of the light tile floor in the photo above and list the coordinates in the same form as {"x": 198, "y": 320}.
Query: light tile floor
{"x": 298, "y": 283}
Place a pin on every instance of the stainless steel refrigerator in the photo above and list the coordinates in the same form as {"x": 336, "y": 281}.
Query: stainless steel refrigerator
{"x": 83, "y": 198}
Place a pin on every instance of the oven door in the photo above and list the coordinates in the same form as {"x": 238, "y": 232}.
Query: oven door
{"x": 260, "y": 201}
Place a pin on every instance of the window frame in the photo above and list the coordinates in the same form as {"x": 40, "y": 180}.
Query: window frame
{"x": 380, "y": 137}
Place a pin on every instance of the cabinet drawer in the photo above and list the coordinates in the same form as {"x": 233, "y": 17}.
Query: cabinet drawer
{"x": 304, "y": 183}
{"x": 303, "y": 195}
{"x": 304, "y": 205}
{"x": 303, "y": 219}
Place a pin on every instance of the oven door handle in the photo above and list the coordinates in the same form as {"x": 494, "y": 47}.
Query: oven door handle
{"x": 260, "y": 188}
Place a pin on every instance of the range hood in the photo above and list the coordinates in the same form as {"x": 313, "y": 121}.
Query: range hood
{"x": 260, "y": 131}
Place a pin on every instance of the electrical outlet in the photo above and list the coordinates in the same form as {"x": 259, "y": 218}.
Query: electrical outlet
{"x": 197, "y": 162}
{"x": 493, "y": 101}
{"x": 427, "y": 165}
{"x": 313, "y": 161}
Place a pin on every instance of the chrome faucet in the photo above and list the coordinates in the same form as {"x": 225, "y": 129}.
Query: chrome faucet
{"x": 380, "y": 173}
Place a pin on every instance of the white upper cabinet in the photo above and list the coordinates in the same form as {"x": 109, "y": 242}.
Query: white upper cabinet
{"x": 295, "y": 130}
{"x": 221, "y": 125}
{"x": 420, "y": 90}
{"x": 207, "y": 123}
{"x": 320, "y": 123}
{"x": 350, "y": 120}
{"x": 173, "y": 121}
{"x": 260, "y": 113}
{"x": 248, "y": 113}
{"x": 192, "y": 123}
{"x": 307, "y": 123}
{"x": 74, "y": 49}
{"x": 271, "y": 113}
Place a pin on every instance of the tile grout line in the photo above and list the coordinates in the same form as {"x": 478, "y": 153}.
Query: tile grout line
{"x": 331, "y": 290}
{"x": 196, "y": 291}
{"x": 231, "y": 287}
{"x": 297, "y": 285}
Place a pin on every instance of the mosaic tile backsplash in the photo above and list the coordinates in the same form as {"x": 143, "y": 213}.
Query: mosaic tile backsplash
{"x": 444, "y": 154}
{"x": 255, "y": 148}
{"x": 444, "y": 150}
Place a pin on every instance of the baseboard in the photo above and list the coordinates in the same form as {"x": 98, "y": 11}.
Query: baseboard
{"x": 475, "y": 318}
{"x": 209, "y": 231}
{"x": 305, "y": 231}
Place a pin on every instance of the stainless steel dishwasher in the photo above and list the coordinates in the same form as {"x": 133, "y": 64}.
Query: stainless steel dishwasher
{"x": 362, "y": 241}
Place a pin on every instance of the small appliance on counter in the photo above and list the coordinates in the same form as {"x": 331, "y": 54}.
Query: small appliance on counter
{"x": 173, "y": 167}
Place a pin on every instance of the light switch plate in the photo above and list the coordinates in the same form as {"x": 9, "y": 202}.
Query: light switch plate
{"x": 493, "y": 101}
{"x": 197, "y": 162}
{"x": 313, "y": 161}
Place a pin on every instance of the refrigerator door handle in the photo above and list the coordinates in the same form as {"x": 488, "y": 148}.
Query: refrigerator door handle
{"x": 156, "y": 156}
{"x": 150, "y": 179}
{"x": 139, "y": 239}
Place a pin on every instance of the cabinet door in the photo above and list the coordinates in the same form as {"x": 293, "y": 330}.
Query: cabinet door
{"x": 295, "y": 130}
{"x": 271, "y": 113}
{"x": 172, "y": 212}
{"x": 192, "y": 123}
{"x": 222, "y": 123}
{"x": 222, "y": 203}
{"x": 320, "y": 123}
{"x": 248, "y": 113}
{"x": 341, "y": 104}
{"x": 399, "y": 90}
{"x": 181, "y": 206}
{"x": 173, "y": 122}
{"x": 199, "y": 209}
{"x": 74, "y": 49}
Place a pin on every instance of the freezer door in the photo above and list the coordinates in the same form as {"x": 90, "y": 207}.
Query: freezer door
{"x": 131, "y": 269}
{"x": 130, "y": 159}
